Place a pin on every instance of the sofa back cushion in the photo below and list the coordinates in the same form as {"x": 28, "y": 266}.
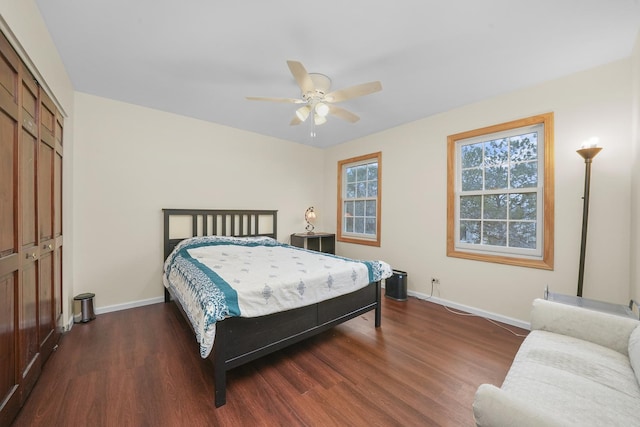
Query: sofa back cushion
{"x": 600, "y": 328}
{"x": 634, "y": 352}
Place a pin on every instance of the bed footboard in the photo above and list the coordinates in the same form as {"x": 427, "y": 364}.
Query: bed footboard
{"x": 240, "y": 340}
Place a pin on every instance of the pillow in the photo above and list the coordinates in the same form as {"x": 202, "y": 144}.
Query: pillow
{"x": 634, "y": 352}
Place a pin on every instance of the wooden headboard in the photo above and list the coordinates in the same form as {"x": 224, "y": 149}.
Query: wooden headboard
{"x": 180, "y": 224}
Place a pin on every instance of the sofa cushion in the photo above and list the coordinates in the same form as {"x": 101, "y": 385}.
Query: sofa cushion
{"x": 578, "y": 382}
{"x": 605, "y": 329}
{"x": 634, "y": 352}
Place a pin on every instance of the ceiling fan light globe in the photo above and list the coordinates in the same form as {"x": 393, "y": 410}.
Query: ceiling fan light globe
{"x": 319, "y": 120}
{"x": 303, "y": 113}
{"x": 322, "y": 109}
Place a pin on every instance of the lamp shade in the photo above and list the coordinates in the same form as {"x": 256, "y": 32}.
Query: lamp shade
{"x": 303, "y": 112}
{"x": 319, "y": 120}
{"x": 322, "y": 109}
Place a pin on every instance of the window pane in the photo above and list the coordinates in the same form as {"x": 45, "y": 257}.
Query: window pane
{"x": 348, "y": 225}
{"x": 523, "y": 206}
{"x": 471, "y": 207}
{"x": 470, "y": 232}
{"x": 495, "y": 233}
{"x": 361, "y": 173}
{"x": 372, "y": 188}
{"x": 472, "y": 180}
{"x": 361, "y": 189}
{"x": 524, "y": 175}
{"x": 349, "y": 208}
{"x": 359, "y": 208}
{"x": 522, "y": 235}
{"x": 496, "y": 152}
{"x": 358, "y": 225}
{"x": 495, "y": 206}
{"x": 372, "y": 171}
{"x": 471, "y": 155}
{"x": 370, "y": 209}
{"x": 351, "y": 175}
{"x": 370, "y": 226}
{"x": 351, "y": 191}
{"x": 524, "y": 147}
{"x": 496, "y": 178}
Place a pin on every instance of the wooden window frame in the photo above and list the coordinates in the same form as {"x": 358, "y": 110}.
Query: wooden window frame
{"x": 347, "y": 238}
{"x": 547, "y": 257}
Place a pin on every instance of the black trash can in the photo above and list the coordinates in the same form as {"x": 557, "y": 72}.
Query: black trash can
{"x": 395, "y": 287}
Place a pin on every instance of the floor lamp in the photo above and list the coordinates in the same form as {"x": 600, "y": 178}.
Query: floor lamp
{"x": 588, "y": 152}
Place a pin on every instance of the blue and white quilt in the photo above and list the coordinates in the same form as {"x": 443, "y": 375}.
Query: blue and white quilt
{"x": 217, "y": 277}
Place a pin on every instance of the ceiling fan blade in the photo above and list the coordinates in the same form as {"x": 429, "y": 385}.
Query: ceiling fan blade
{"x": 302, "y": 77}
{"x": 287, "y": 100}
{"x": 295, "y": 121}
{"x": 343, "y": 114}
{"x": 353, "y": 92}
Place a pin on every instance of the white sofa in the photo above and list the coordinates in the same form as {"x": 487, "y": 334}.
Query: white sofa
{"x": 577, "y": 367}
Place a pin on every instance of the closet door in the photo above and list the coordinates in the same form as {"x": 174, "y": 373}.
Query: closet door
{"x": 57, "y": 227}
{"x": 29, "y": 349}
{"x": 46, "y": 214}
{"x": 30, "y": 230}
{"x": 9, "y": 244}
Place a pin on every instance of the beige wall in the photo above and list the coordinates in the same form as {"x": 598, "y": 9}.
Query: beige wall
{"x": 21, "y": 22}
{"x": 594, "y": 102}
{"x": 635, "y": 176}
{"x": 134, "y": 161}
{"x": 124, "y": 163}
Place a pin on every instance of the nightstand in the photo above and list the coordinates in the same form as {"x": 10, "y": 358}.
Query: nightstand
{"x": 321, "y": 242}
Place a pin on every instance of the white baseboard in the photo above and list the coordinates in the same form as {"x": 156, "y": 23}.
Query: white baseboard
{"x": 117, "y": 307}
{"x": 127, "y": 305}
{"x": 480, "y": 313}
{"x": 475, "y": 311}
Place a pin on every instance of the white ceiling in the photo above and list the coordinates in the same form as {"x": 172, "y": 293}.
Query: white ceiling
{"x": 201, "y": 58}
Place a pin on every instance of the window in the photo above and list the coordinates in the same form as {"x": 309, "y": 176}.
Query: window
{"x": 500, "y": 193}
{"x": 359, "y": 199}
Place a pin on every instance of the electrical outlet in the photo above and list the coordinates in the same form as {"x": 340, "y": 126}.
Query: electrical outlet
{"x": 435, "y": 281}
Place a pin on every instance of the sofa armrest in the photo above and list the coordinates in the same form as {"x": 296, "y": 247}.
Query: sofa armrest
{"x": 604, "y": 329}
{"x": 495, "y": 407}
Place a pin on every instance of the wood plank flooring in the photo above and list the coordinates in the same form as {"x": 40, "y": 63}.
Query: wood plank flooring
{"x": 141, "y": 367}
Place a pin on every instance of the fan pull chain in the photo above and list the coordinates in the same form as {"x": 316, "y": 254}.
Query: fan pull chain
{"x": 313, "y": 125}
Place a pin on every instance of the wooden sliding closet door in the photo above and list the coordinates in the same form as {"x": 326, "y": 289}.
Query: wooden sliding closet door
{"x": 28, "y": 291}
{"x": 47, "y": 216}
{"x": 9, "y": 245}
{"x": 57, "y": 227}
{"x": 30, "y": 230}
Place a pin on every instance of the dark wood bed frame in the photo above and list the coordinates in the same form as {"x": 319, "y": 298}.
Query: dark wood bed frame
{"x": 240, "y": 340}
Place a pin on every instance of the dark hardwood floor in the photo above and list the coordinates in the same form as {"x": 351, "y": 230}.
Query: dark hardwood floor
{"x": 141, "y": 367}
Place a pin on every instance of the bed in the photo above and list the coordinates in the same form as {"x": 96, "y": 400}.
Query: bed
{"x": 239, "y": 340}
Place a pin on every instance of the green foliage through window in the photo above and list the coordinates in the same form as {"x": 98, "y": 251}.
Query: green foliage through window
{"x": 499, "y": 190}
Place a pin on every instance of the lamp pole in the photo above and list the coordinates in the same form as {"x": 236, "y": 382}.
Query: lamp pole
{"x": 587, "y": 154}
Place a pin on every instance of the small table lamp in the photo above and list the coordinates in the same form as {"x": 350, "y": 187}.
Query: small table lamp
{"x": 309, "y": 216}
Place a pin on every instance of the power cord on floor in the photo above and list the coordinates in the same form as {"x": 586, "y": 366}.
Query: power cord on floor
{"x": 462, "y": 313}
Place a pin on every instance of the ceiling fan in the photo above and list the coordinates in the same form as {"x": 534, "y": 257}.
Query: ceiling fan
{"x": 318, "y": 101}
